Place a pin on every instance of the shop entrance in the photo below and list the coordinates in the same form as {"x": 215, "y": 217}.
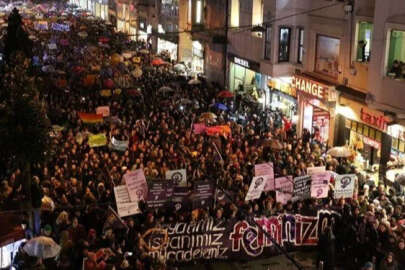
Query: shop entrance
{"x": 198, "y": 58}
{"x": 366, "y": 141}
{"x": 316, "y": 121}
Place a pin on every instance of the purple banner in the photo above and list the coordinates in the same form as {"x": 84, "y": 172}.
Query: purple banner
{"x": 236, "y": 239}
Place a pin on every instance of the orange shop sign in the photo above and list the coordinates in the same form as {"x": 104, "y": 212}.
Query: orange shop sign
{"x": 377, "y": 121}
{"x": 310, "y": 87}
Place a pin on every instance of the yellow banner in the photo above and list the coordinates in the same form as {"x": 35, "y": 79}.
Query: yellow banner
{"x": 97, "y": 140}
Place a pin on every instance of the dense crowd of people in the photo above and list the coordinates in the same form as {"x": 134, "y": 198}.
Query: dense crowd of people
{"x": 158, "y": 124}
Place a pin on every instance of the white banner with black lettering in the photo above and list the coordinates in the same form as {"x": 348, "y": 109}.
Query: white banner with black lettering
{"x": 124, "y": 205}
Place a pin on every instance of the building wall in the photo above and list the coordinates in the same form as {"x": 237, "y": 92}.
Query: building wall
{"x": 387, "y": 92}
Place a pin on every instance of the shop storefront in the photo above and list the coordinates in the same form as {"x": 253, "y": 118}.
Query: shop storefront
{"x": 283, "y": 96}
{"x": 197, "y": 63}
{"x": 167, "y": 47}
{"x": 365, "y": 131}
{"x": 101, "y": 9}
{"x": 316, "y": 107}
{"x": 74, "y": 2}
{"x": 396, "y": 165}
{"x": 83, "y": 4}
{"x": 90, "y": 6}
{"x": 244, "y": 75}
{"x": 123, "y": 18}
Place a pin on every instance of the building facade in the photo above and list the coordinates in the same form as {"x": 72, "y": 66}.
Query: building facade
{"x": 202, "y": 41}
{"x": 335, "y": 67}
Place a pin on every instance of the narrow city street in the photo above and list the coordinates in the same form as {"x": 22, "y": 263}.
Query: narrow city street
{"x": 202, "y": 134}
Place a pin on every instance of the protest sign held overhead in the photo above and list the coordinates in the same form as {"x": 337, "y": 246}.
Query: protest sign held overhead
{"x": 158, "y": 193}
{"x": 302, "y": 188}
{"x": 284, "y": 189}
{"x": 103, "y": 110}
{"x": 181, "y": 198}
{"x": 199, "y": 128}
{"x": 203, "y": 194}
{"x": 344, "y": 186}
{"x": 97, "y": 140}
{"x": 136, "y": 184}
{"x": 320, "y": 185}
{"x": 179, "y": 177}
{"x": 266, "y": 169}
{"x": 90, "y": 118}
{"x": 119, "y": 145}
{"x": 256, "y": 187}
{"x": 124, "y": 205}
{"x": 314, "y": 170}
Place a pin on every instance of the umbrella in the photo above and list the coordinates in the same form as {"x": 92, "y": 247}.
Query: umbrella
{"x": 340, "y": 151}
{"x": 64, "y": 42}
{"x": 165, "y": 89}
{"x": 158, "y": 62}
{"x": 208, "y": 116}
{"x": 400, "y": 178}
{"x": 52, "y": 46}
{"x": 194, "y": 82}
{"x": 115, "y": 59}
{"x": 127, "y": 55}
{"x": 83, "y": 34}
{"x": 221, "y": 106}
{"x": 276, "y": 145}
{"x": 137, "y": 72}
{"x": 42, "y": 247}
{"x": 179, "y": 67}
{"x": 185, "y": 101}
{"x": 134, "y": 93}
{"x": 225, "y": 94}
{"x": 48, "y": 68}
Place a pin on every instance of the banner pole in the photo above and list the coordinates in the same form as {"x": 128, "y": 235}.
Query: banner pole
{"x": 216, "y": 184}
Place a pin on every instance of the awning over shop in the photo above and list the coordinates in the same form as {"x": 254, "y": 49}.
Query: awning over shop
{"x": 351, "y": 93}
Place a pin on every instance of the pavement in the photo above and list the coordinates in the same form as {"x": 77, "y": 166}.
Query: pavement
{"x": 307, "y": 260}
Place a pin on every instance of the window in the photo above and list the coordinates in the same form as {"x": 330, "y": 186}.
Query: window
{"x": 257, "y": 12}
{"x": 235, "y": 13}
{"x": 396, "y": 54}
{"x": 300, "y": 54}
{"x": 198, "y": 11}
{"x": 284, "y": 44}
{"x": 257, "y": 15}
{"x": 267, "y": 44}
{"x": 327, "y": 56}
{"x": 364, "y": 38}
{"x": 190, "y": 11}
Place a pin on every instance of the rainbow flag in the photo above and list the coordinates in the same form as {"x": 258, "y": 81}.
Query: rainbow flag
{"x": 91, "y": 118}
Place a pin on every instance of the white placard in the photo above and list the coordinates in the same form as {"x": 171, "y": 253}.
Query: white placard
{"x": 124, "y": 205}
{"x": 179, "y": 177}
{"x": 256, "y": 187}
{"x": 344, "y": 186}
{"x": 136, "y": 184}
{"x": 320, "y": 185}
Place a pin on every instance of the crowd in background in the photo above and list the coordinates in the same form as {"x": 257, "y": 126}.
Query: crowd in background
{"x": 79, "y": 179}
